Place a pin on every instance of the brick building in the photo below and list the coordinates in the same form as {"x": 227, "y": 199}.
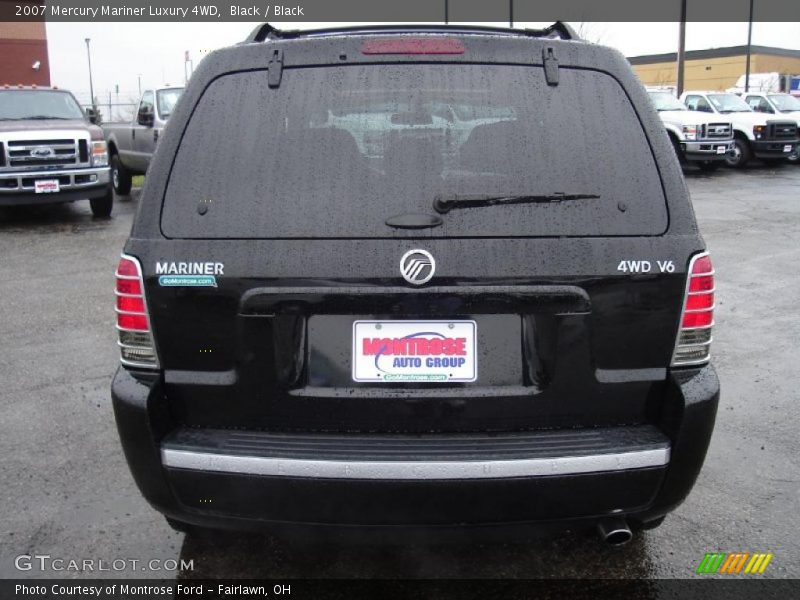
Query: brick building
{"x": 23, "y": 53}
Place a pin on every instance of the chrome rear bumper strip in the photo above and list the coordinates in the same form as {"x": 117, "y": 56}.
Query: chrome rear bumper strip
{"x": 410, "y": 470}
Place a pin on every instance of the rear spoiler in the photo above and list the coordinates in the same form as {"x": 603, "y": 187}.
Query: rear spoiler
{"x": 265, "y": 32}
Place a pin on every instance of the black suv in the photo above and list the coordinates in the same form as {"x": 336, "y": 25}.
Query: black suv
{"x": 394, "y": 276}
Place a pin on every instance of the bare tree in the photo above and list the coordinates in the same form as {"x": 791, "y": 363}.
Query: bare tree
{"x": 665, "y": 80}
{"x": 590, "y": 31}
{"x": 128, "y": 109}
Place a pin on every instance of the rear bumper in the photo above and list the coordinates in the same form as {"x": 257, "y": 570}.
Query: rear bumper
{"x": 243, "y": 484}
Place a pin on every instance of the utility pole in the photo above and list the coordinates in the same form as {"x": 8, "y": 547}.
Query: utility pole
{"x": 91, "y": 85}
{"x": 681, "y": 47}
{"x": 446, "y": 12}
{"x": 749, "y": 43}
{"x": 140, "y": 84}
{"x": 511, "y": 14}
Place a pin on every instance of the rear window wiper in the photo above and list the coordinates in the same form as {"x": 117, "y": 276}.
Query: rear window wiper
{"x": 444, "y": 204}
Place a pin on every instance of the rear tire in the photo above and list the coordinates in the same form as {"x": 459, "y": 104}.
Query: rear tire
{"x": 102, "y": 207}
{"x": 190, "y": 530}
{"x": 709, "y": 165}
{"x": 648, "y": 525}
{"x": 178, "y": 526}
{"x": 120, "y": 177}
{"x": 740, "y": 155}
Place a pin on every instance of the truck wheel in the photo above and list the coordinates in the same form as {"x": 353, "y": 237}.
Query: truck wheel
{"x": 794, "y": 157}
{"x": 709, "y": 165}
{"x": 740, "y": 155}
{"x": 678, "y": 152}
{"x": 101, "y": 207}
{"x": 120, "y": 177}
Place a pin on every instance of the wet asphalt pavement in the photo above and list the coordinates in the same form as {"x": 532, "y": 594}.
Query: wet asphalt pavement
{"x": 65, "y": 489}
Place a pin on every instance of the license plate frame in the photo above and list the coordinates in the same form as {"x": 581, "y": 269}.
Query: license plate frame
{"x": 453, "y": 342}
{"x": 46, "y": 186}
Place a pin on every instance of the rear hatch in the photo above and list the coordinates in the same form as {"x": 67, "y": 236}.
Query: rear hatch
{"x": 304, "y": 198}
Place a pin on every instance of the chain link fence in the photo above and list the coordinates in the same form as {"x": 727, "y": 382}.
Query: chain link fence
{"x": 113, "y": 111}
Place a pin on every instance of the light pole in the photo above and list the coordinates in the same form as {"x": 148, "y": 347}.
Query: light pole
{"x": 749, "y": 49}
{"x": 89, "y": 56}
{"x": 681, "y": 48}
{"x": 140, "y": 84}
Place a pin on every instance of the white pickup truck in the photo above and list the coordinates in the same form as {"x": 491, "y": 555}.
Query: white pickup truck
{"x": 780, "y": 104}
{"x": 754, "y": 134}
{"x": 696, "y": 137}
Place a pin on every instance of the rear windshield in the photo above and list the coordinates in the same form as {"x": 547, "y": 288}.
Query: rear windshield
{"x": 335, "y": 151}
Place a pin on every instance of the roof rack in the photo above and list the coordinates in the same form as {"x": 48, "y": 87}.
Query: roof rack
{"x": 265, "y": 32}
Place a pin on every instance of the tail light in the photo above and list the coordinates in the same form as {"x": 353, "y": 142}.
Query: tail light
{"x": 693, "y": 345}
{"x": 133, "y": 323}
{"x": 406, "y": 45}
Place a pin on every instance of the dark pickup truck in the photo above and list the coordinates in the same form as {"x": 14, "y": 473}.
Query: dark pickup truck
{"x": 50, "y": 152}
{"x": 379, "y": 278}
{"x": 131, "y": 145}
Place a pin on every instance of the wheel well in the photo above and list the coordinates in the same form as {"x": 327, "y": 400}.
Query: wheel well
{"x": 680, "y": 153}
{"x": 741, "y": 136}
{"x": 112, "y": 149}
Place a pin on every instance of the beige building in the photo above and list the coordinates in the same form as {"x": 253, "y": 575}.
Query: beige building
{"x": 714, "y": 69}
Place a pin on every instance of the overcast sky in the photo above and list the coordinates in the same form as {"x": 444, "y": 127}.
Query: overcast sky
{"x": 123, "y": 51}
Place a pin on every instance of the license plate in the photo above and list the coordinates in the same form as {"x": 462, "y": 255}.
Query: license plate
{"x": 787, "y": 148}
{"x": 46, "y": 186}
{"x": 415, "y": 351}
{"x": 722, "y": 149}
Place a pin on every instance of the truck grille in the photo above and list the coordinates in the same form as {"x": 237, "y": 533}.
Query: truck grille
{"x": 43, "y": 153}
{"x": 716, "y": 131}
{"x": 784, "y": 130}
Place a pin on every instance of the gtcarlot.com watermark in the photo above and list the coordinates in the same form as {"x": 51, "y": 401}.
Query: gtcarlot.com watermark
{"x": 48, "y": 563}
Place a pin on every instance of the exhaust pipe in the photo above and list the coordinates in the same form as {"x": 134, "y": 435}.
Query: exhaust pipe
{"x": 614, "y": 531}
